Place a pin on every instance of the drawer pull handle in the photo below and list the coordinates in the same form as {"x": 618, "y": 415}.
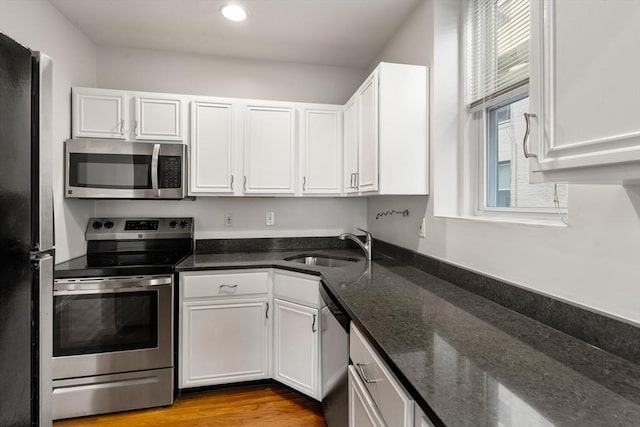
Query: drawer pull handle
{"x": 363, "y": 374}
{"x": 266, "y": 313}
{"x": 313, "y": 326}
{"x": 228, "y": 286}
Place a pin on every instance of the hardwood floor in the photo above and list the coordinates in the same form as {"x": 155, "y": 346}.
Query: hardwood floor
{"x": 264, "y": 405}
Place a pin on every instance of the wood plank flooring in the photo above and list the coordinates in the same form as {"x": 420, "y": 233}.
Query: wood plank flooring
{"x": 263, "y": 405}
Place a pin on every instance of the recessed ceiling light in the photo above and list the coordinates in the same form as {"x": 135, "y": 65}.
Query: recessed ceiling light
{"x": 233, "y": 12}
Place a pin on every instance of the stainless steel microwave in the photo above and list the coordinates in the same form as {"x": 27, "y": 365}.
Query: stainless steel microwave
{"x": 111, "y": 169}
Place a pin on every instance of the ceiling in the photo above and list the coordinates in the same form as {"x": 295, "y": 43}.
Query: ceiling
{"x": 346, "y": 33}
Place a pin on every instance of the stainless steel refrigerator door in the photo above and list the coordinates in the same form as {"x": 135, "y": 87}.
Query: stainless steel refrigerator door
{"x": 42, "y": 145}
{"x": 43, "y": 275}
{"x": 15, "y": 234}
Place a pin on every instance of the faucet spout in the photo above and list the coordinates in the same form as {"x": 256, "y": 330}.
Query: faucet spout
{"x": 366, "y": 247}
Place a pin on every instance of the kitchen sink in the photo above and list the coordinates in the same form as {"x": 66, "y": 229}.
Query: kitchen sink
{"x": 322, "y": 260}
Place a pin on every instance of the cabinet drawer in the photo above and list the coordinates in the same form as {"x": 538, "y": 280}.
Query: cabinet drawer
{"x": 226, "y": 284}
{"x": 362, "y": 410}
{"x": 298, "y": 288}
{"x": 392, "y": 400}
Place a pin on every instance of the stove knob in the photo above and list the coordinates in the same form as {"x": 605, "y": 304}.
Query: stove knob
{"x": 108, "y": 225}
{"x": 184, "y": 224}
{"x": 97, "y": 225}
{"x": 173, "y": 224}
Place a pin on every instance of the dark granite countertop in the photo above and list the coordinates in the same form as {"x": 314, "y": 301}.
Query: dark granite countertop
{"x": 465, "y": 359}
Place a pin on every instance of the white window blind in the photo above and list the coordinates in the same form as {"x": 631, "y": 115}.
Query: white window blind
{"x": 497, "y": 48}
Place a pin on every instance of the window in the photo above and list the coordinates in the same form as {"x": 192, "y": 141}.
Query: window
{"x": 496, "y": 81}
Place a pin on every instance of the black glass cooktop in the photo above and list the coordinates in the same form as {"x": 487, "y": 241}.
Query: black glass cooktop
{"x": 131, "y": 259}
{"x": 120, "y": 264}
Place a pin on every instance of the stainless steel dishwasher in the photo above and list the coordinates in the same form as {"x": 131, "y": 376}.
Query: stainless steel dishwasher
{"x": 335, "y": 359}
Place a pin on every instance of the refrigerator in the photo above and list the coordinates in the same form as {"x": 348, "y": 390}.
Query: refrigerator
{"x": 26, "y": 236}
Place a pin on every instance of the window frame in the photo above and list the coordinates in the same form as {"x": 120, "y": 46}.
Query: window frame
{"x": 474, "y": 190}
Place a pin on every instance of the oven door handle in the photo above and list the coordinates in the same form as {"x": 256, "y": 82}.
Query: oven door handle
{"x": 155, "y": 170}
{"x": 110, "y": 285}
{"x": 60, "y": 292}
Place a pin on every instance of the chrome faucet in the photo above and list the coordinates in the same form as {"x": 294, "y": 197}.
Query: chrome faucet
{"x": 366, "y": 247}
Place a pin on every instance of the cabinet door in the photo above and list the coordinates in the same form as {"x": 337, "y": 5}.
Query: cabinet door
{"x": 584, "y": 90}
{"x": 223, "y": 342}
{"x": 350, "y": 177}
{"x": 269, "y": 149}
{"x": 322, "y": 163}
{"x": 362, "y": 410}
{"x": 368, "y": 135}
{"x": 158, "y": 118}
{"x": 211, "y": 147}
{"x": 296, "y": 346}
{"x": 99, "y": 113}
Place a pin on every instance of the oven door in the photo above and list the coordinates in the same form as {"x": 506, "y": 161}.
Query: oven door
{"x": 126, "y": 170}
{"x": 106, "y": 326}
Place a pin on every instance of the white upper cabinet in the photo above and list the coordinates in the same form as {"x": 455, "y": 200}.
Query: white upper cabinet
{"x": 321, "y": 150}
{"x": 351, "y": 146}
{"x": 386, "y": 132}
{"x": 584, "y": 91}
{"x": 128, "y": 115}
{"x": 158, "y": 118}
{"x": 99, "y": 113}
{"x": 269, "y": 149}
{"x": 212, "y": 144}
{"x": 368, "y": 134}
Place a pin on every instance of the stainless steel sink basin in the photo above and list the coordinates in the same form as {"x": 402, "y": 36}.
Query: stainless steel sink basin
{"x": 322, "y": 260}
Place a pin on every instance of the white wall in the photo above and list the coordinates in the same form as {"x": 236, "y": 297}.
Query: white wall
{"x": 592, "y": 262}
{"x": 294, "y": 217}
{"x": 160, "y": 71}
{"x": 39, "y": 26}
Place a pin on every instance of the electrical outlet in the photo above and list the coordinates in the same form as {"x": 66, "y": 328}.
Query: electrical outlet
{"x": 270, "y": 218}
{"x": 423, "y": 227}
{"x": 228, "y": 220}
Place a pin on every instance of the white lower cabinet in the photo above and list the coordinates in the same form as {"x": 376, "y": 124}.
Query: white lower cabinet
{"x": 296, "y": 337}
{"x": 378, "y": 385}
{"x": 244, "y": 325}
{"x": 421, "y": 419}
{"x": 363, "y": 411}
{"x": 296, "y": 347}
{"x": 224, "y": 328}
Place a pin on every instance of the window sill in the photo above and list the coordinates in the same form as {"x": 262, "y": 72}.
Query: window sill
{"x": 536, "y": 222}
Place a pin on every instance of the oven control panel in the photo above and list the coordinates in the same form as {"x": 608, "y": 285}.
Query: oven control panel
{"x": 139, "y": 228}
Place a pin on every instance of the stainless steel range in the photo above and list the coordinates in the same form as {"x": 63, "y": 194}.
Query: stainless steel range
{"x": 113, "y": 317}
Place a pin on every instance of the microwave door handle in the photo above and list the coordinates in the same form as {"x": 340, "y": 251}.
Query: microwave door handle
{"x": 154, "y": 170}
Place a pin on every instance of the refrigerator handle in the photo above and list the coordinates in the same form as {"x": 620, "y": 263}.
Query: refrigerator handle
{"x": 43, "y": 271}
{"x": 43, "y": 203}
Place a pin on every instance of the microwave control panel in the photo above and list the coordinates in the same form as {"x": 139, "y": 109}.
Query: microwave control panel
{"x": 170, "y": 172}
